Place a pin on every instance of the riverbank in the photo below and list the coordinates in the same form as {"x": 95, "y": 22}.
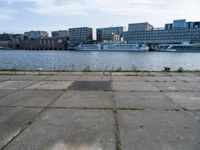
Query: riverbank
{"x": 110, "y": 73}
{"x": 99, "y": 110}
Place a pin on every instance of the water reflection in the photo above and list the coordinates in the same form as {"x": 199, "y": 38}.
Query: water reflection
{"x": 78, "y": 60}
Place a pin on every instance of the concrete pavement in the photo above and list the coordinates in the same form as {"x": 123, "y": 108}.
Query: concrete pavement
{"x": 99, "y": 111}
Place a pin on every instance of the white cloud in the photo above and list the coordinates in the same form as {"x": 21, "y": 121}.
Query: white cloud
{"x": 6, "y": 14}
{"x": 155, "y": 11}
{"x": 112, "y": 7}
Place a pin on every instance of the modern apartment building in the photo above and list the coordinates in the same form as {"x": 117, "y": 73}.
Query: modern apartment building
{"x": 5, "y": 40}
{"x": 80, "y": 35}
{"x": 60, "y": 33}
{"x": 140, "y": 27}
{"x": 107, "y": 34}
{"x": 36, "y": 34}
{"x": 177, "y": 32}
{"x": 177, "y": 24}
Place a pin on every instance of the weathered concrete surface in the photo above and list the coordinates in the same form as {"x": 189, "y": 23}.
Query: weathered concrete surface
{"x": 195, "y": 114}
{"x": 128, "y": 78}
{"x": 143, "y": 100}
{"x": 174, "y": 86}
{"x": 189, "y": 79}
{"x": 133, "y": 86}
{"x": 68, "y": 130}
{"x": 91, "y": 86}
{"x": 196, "y": 85}
{"x": 15, "y": 84}
{"x": 63, "y": 78}
{"x": 187, "y": 100}
{"x": 158, "y": 130}
{"x": 25, "y": 77}
{"x": 85, "y": 99}
{"x": 162, "y": 79}
{"x": 5, "y": 92}
{"x": 94, "y": 78}
{"x": 31, "y": 98}
{"x": 51, "y": 85}
{"x": 99, "y": 111}
{"x": 12, "y": 120}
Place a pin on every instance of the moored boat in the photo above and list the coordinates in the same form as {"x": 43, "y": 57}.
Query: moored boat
{"x": 113, "y": 46}
{"x": 185, "y": 47}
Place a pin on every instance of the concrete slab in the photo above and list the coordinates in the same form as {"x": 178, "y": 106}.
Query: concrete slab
{"x": 85, "y": 99}
{"x": 196, "y": 85}
{"x": 5, "y": 92}
{"x": 195, "y": 114}
{"x": 131, "y": 73}
{"x": 3, "y": 78}
{"x": 174, "y": 86}
{"x": 31, "y": 98}
{"x": 133, "y": 86}
{"x": 189, "y": 79}
{"x": 63, "y": 78}
{"x": 27, "y": 73}
{"x": 26, "y": 77}
{"x": 12, "y": 120}
{"x": 158, "y": 130}
{"x": 161, "y": 79}
{"x": 165, "y": 74}
{"x": 95, "y": 78}
{"x": 69, "y": 73}
{"x": 128, "y": 78}
{"x": 143, "y": 100}
{"x": 91, "y": 86}
{"x": 51, "y": 85}
{"x": 187, "y": 100}
{"x": 15, "y": 84}
{"x": 188, "y": 74}
{"x": 93, "y": 73}
{"x": 68, "y": 130}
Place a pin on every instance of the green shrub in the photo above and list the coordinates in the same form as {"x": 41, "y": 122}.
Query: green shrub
{"x": 180, "y": 69}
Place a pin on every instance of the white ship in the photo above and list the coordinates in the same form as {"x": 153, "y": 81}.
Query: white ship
{"x": 185, "y": 47}
{"x": 113, "y": 46}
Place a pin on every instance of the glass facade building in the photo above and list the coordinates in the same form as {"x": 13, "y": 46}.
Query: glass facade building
{"x": 60, "y": 33}
{"x": 36, "y": 34}
{"x": 140, "y": 27}
{"x": 106, "y": 34}
{"x": 80, "y": 35}
{"x": 178, "y": 32}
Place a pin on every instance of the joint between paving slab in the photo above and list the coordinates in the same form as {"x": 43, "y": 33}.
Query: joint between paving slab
{"x": 116, "y": 122}
{"x": 117, "y": 131}
{"x": 113, "y": 109}
{"x": 192, "y": 91}
{"x": 17, "y": 90}
{"x": 43, "y": 109}
{"x": 21, "y": 130}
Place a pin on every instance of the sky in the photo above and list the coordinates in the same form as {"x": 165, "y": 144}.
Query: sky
{"x": 18, "y": 16}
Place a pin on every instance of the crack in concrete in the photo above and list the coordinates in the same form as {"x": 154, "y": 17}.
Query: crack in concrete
{"x": 30, "y": 122}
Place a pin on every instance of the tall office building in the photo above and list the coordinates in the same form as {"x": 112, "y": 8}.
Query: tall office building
{"x": 182, "y": 24}
{"x": 80, "y": 35}
{"x": 109, "y": 34}
{"x": 60, "y": 33}
{"x": 140, "y": 27}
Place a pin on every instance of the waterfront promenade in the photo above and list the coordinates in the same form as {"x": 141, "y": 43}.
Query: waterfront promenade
{"x": 99, "y": 111}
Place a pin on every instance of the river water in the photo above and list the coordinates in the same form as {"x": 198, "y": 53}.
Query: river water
{"x": 97, "y": 61}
